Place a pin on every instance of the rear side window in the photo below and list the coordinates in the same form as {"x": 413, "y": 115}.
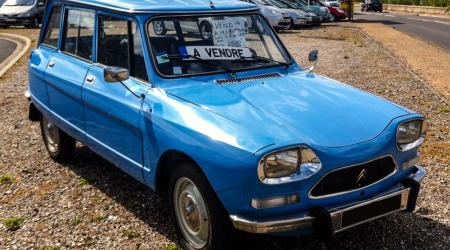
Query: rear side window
{"x": 79, "y": 33}
{"x": 119, "y": 45}
{"x": 51, "y": 37}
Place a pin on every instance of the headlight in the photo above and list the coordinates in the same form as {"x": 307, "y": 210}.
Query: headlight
{"x": 276, "y": 13}
{"x": 411, "y": 134}
{"x": 288, "y": 165}
{"x": 26, "y": 14}
{"x": 300, "y": 14}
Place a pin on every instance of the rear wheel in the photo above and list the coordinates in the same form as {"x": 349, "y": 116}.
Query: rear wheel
{"x": 159, "y": 28}
{"x": 332, "y": 18}
{"x": 59, "y": 145}
{"x": 201, "y": 219}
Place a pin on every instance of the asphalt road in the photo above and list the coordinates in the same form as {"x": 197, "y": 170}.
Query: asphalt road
{"x": 431, "y": 29}
{"x": 6, "y": 48}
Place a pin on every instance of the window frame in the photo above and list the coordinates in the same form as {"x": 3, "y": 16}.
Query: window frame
{"x": 138, "y": 28}
{"x": 64, "y": 33}
{"x": 44, "y": 33}
{"x": 290, "y": 62}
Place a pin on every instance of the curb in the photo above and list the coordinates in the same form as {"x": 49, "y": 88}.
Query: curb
{"x": 23, "y": 44}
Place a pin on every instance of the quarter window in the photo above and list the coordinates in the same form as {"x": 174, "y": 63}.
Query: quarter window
{"x": 119, "y": 45}
{"x": 79, "y": 33}
{"x": 51, "y": 37}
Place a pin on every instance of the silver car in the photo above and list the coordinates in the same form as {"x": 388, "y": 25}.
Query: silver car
{"x": 278, "y": 18}
{"x": 22, "y": 12}
{"x": 299, "y": 18}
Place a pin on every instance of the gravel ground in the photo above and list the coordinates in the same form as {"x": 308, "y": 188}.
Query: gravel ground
{"x": 89, "y": 204}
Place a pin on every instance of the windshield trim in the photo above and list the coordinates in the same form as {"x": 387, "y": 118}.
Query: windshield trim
{"x": 237, "y": 13}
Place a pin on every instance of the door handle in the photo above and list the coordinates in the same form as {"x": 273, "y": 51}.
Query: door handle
{"x": 51, "y": 64}
{"x": 90, "y": 79}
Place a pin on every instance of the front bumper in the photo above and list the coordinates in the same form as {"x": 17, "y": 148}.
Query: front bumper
{"x": 327, "y": 222}
{"x": 7, "y": 20}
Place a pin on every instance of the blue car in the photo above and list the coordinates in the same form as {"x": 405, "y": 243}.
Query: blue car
{"x": 234, "y": 131}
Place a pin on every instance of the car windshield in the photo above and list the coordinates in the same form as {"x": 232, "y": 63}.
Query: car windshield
{"x": 19, "y": 3}
{"x": 186, "y": 46}
{"x": 280, "y": 4}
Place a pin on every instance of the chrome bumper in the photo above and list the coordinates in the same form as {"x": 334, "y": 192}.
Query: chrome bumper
{"x": 308, "y": 221}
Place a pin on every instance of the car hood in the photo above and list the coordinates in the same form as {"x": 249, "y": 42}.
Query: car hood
{"x": 300, "y": 108}
{"x": 14, "y": 10}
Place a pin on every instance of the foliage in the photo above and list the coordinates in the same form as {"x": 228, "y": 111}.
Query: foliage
{"x": 5, "y": 179}
{"x": 13, "y": 223}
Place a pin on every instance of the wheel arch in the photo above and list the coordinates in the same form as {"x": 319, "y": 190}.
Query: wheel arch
{"x": 167, "y": 164}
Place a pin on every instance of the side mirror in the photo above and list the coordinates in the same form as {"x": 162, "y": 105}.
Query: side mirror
{"x": 313, "y": 57}
{"x": 116, "y": 74}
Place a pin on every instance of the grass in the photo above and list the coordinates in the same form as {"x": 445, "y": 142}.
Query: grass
{"x": 88, "y": 241}
{"x": 173, "y": 246}
{"x": 84, "y": 181}
{"x": 6, "y": 179}
{"x": 98, "y": 217}
{"x": 75, "y": 221}
{"x": 130, "y": 234}
{"x": 13, "y": 223}
{"x": 50, "y": 248}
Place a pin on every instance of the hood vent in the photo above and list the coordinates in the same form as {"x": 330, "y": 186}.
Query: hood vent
{"x": 248, "y": 78}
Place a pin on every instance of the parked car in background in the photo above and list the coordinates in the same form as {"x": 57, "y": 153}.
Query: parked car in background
{"x": 335, "y": 3}
{"x": 315, "y": 8}
{"x": 375, "y": 5}
{"x": 299, "y": 18}
{"x": 278, "y": 18}
{"x": 238, "y": 137}
{"x": 313, "y": 19}
{"x": 22, "y": 12}
{"x": 336, "y": 12}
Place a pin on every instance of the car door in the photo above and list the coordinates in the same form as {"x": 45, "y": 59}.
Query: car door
{"x": 112, "y": 110}
{"x": 68, "y": 68}
{"x": 40, "y": 57}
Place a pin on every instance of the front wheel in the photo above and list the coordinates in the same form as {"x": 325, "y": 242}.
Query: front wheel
{"x": 59, "y": 145}
{"x": 201, "y": 219}
{"x": 332, "y": 18}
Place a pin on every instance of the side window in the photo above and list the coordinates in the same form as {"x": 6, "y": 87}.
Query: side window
{"x": 139, "y": 70}
{"x": 119, "y": 45}
{"x": 51, "y": 37}
{"x": 79, "y": 33}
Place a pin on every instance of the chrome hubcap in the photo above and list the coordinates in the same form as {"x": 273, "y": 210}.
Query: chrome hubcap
{"x": 51, "y": 134}
{"x": 191, "y": 213}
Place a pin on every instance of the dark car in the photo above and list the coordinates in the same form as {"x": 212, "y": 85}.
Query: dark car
{"x": 375, "y": 5}
{"x": 22, "y": 12}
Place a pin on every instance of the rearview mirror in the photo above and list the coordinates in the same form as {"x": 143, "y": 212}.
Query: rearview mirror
{"x": 116, "y": 74}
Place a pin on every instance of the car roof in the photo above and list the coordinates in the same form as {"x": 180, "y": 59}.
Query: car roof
{"x": 168, "y": 5}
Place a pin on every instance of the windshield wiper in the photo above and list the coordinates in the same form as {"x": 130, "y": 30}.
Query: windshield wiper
{"x": 198, "y": 59}
{"x": 260, "y": 58}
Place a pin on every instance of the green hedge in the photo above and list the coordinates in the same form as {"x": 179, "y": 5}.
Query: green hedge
{"x": 436, "y": 3}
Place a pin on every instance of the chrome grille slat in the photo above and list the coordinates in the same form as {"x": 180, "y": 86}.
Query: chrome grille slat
{"x": 248, "y": 78}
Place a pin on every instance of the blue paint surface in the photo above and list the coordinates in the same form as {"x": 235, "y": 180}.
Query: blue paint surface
{"x": 225, "y": 129}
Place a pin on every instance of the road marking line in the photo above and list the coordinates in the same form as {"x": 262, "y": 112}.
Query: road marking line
{"x": 436, "y": 21}
{"x": 389, "y": 15}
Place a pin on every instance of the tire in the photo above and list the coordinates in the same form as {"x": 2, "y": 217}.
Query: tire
{"x": 205, "y": 30}
{"x": 159, "y": 28}
{"x": 59, "y": 145}
{"x": 201, "y": 220}
{"x": 34, "y": 23}
{"x": 332, "y": 18}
